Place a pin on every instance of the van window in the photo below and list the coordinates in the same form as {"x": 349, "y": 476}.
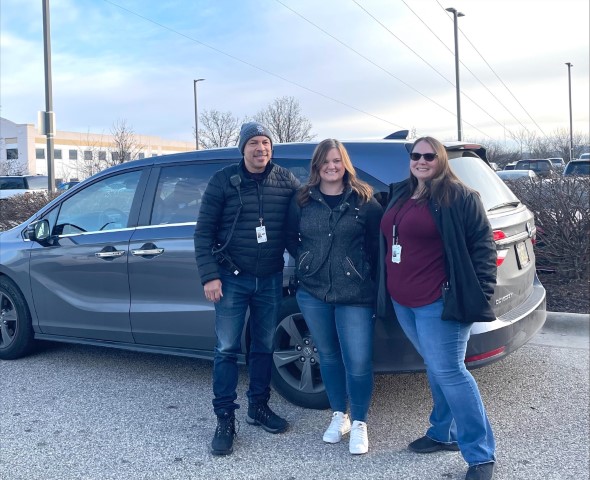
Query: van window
{"x": 179, "y": 192}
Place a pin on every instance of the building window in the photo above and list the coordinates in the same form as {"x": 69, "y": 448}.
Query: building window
{"x": 73, "y": 154}
{"x": 39, "y": 153}
{"x": 115, "y": 156}
{"x": 57, "y": 154}
{"x": 141, "y": 155}
{"x": 154, "y": 154}
{"x": 87, "y": 154}
{"x": 102, "y": 155}
{"x": 12, "y": 153}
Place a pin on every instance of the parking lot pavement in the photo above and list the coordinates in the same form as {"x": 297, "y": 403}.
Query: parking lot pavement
{"x": 74, "y": 412}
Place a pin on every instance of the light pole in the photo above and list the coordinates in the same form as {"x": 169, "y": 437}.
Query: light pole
{"x": 569, "y": 80}
{"x": 457, "y": 14}
{"x": 196, "y": 113}
{"x": 49, "y": 124}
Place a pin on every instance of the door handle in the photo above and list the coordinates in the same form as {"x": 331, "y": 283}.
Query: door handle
{"x": 149, "y": 251}
{"x": 115, "y": 253}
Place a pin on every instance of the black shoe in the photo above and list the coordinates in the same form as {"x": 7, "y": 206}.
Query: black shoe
{"x": 483, "y": 471}
{"x": 428, "y": 445}
{"x": 225, "y": 432}
{"x": 261, "y": 414}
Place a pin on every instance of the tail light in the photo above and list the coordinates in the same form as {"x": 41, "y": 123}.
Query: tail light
{"x": 501, "y": 254}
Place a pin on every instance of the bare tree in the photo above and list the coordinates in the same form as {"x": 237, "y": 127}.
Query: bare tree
{"x": 284, "y": 119}
{"x": 220, "y": 129}
{"x": 126, "y": 146}
{"x": 90, "y": 155}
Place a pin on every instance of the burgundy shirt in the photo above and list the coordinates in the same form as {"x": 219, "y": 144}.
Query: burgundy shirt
{"x": 417, "y": 280}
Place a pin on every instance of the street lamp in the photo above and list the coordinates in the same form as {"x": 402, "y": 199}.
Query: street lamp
{"x": 196, "y": 114}
{"x": 457, "y": 14}
{"x": 569, "y": 80}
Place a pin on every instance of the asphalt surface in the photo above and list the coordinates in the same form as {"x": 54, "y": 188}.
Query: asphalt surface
{"x": 74, "y": 412}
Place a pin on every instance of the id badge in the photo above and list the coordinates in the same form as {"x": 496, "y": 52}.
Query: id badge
{"x": 261, "y": 234}
{"x": 396, "y": 253}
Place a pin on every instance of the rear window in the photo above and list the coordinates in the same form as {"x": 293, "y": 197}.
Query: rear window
{"x": 12, "y": 183}
{"x": 37, "y": 183}
{"x": 475, "y": 173}
{"x": 577, "y": 168}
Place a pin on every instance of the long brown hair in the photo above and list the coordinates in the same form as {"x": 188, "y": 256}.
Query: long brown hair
{"x": 442, "y": 187}
{"x": 362, "y": 189}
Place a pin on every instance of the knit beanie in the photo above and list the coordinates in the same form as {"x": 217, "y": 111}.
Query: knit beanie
{"x": 252, "y": 129}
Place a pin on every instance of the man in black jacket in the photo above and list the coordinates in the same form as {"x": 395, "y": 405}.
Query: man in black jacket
{"x": 239, "y": 245}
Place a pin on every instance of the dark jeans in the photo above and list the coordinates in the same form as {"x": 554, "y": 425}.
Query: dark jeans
{"x": 263, "y": 296}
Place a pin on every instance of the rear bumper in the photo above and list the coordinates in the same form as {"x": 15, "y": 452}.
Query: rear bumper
{"x": 510, "y": 331}
{"x": 489, "y": 341}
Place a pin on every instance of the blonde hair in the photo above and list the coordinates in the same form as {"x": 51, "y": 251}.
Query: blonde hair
{"x": 362, "y": 189}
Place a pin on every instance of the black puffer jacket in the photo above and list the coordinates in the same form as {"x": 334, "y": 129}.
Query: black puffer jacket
{"x": 469, "y": 252}
{"x": 335, "y": 249}
{"x": 268, "y": 198}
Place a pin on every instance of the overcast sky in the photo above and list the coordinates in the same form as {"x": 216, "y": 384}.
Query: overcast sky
{"x": 359, "y": 68}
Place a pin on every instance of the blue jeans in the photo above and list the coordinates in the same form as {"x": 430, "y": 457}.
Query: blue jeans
{"x": 458, "y": 414}
{"x": 343, "y": 335}
{"x": 263, "y": 296}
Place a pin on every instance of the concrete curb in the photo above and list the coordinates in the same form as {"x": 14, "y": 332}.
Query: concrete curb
{"x": 566, "y": 330}
{"x": 570, "y": 323}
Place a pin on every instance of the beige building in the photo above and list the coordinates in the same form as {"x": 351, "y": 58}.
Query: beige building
{"x": 76, "y": 155}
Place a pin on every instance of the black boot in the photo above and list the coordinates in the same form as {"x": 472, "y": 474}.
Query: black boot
{"x": 261, "y": 414}
{"x": 225, "y": 432}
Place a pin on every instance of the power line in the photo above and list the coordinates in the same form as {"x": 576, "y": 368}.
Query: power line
{"x": 464, "y": 66}
{"x": 498, "y": 77}
{"x": 421, "y": 58}
{"x": 379, "y": 66}
{"x": 252, "y": 65}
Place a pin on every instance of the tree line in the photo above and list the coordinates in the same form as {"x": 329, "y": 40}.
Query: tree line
{"x": 282, "y": 117}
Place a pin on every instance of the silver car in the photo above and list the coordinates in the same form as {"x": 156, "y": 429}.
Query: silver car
{"x": 111, "y": 263}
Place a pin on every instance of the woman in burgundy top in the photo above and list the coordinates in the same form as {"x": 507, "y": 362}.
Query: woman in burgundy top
{"x": 436, "y": 241}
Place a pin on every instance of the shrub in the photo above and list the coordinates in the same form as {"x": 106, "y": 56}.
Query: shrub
{"x": 562, "y": 215}
{"x": 18, "y": 208}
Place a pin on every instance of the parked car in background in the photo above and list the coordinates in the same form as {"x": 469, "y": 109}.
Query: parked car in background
{"x": 67, "y": 185}
{"x": 510, "y": 166}
{"x": 578, "y": 167}
{"x": 516, "y": 175}
{"x": 557, "y": 162}
{"x": 584, "y": 156}
{"x": 99, "y": 266}
{"x": 11, "y": 185}
{"x": 541, "y": 166}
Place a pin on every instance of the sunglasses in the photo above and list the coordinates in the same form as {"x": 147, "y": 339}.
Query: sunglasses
{"x": 429, "y": 157}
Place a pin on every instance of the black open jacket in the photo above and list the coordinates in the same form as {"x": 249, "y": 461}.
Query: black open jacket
{"x": 469, "y": 253}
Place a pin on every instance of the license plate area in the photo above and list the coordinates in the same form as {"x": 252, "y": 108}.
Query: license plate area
{"x": 522, "y": 255}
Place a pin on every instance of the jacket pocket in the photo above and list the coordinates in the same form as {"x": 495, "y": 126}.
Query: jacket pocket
{"x": 351, "y": 271}
{"x": 304, "y": 264}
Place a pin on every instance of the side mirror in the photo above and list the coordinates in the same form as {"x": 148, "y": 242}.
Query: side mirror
{"x": 38, "y": 231}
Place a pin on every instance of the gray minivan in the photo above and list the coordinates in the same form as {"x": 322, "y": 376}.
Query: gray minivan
{"x": 99, "y": 266}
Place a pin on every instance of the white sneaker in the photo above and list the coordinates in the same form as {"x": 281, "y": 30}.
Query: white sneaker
{"x": 359, "y": 439}
{"x": 340, "y": 425}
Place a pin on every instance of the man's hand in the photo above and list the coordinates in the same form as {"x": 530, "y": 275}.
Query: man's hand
{"x": 213, "y": 291}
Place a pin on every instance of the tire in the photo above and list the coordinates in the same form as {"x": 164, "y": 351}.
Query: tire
{"x": 296, "y": 364}
{"x": 16, "y": 328}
